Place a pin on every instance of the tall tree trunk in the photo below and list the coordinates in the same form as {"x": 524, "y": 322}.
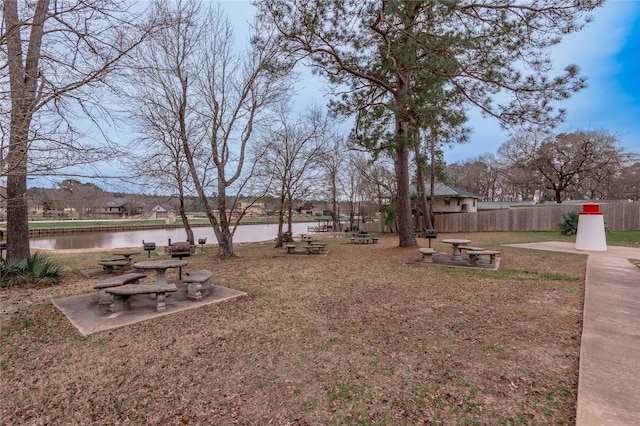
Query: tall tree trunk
{"x": 335, "y": 214}
{"x": 422, "y": 199}
{"x": 222, "y": 231}
{"x": 225, "y": 243}
{"x": 185, "y": 221}
{"x": 423, "y": 204}
{"x": 558, "y": 195}
{"x": 17, "y": 217}
{"x": 23, "y": 74}
{"x": 406, "y": 235}
{"x": 432, "y": 176}
{"x": 280, "y": 238}
{"x": 290, "y": 217}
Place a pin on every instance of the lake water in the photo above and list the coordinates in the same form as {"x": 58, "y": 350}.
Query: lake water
{"x": 111, "y": 240}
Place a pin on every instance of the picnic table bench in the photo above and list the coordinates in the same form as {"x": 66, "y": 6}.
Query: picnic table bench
{"x": 427, "y": 254}
{"x": 364, "y": 239}
{"x": 103, "y": 297}
{"x": 120, "y": 295}
{"x": 115, "y": 265}
{"x": 291, "y": 248}
{"x": 470, "y": 248}
{"x": 474, "y": 256}
{"x": 310, "y": 248}
{"x": 197, "y": 281}
{"x": 315, "y": 249}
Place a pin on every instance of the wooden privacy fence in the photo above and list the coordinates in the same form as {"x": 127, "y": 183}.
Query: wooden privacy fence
{"x": 618, "y": 216}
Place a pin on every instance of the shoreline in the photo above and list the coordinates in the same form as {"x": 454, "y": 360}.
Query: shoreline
{"x": 123, "y": 227}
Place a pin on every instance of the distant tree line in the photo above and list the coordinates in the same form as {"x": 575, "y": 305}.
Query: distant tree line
{"x": 575, "y": 166}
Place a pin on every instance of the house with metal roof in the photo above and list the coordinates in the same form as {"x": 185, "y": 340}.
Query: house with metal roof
{"x": 449, "y": 199}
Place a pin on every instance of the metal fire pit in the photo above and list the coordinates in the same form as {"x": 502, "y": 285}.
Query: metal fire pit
{"x": 180, "y": 250}
{"x": 149, "y": 247}
{"x": 430, "y": 234}
{"x": 202, "y": 242}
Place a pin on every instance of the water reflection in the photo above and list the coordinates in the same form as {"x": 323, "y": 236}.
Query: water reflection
{"x": 244, "y": 234}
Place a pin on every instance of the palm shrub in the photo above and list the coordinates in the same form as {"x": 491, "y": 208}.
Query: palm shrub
{"x": 10, "y": 273}
{"x": 35, "y": 268}
{"x": 569, "y": 224}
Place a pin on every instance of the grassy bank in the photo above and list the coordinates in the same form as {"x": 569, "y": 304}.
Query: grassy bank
{"x": 77, "y": 223}
{"x": 354, "y": 337}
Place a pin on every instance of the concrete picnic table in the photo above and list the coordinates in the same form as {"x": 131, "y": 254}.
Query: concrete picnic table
{"x": 363, "y": 238}
{"x": 456, "y": 243}
{"x": 126, "y": 253}
{"x": 160, "y": 266}
{"x": 113, "y": 265}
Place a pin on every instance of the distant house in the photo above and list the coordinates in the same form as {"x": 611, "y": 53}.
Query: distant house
{"x": 309, "y": 209}
{"x": 120, "y": 207}
{"x": 449, "y": 199}
{"x": 253, "y": 210}
{"x": 159, "y": 212}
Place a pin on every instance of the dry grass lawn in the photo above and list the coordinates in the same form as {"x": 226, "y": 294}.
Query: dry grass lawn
{"x": 354, "y": 337}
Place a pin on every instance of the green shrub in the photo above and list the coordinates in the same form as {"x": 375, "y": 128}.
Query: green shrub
{"x": 35, "y": 268}
{"x": 39, "y": 266}
{"x": 569, "y": 224}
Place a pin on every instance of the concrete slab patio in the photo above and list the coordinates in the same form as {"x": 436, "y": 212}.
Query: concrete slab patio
{"x": 84, "y": 313}
{"x": 609, "y": 377}
{"x": 446, "y": 260}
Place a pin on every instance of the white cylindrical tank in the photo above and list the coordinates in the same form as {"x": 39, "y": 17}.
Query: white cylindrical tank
{"x": 590, "y": 235}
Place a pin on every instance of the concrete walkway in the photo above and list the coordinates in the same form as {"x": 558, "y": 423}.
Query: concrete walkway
{"x": 609, "y": 378}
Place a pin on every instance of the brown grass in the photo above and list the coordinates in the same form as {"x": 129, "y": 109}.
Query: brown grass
{"x": 354, "y": 337}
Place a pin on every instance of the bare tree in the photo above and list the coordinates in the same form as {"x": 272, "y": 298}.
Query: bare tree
{"x": 216, "y": 96}
{"x": 627, "y": 184}
{"x": 576, "y": 165}
{"x": 480, "y": 175}
{"x": 333, "y": 161}
{"x": 368, "y": 180}
{"x": 162, "y": 96}
{"x": 54, "y": 57}
{"x": 565, "y": 160}
{"x": 517, "y": 167}
{"x": 81, "y": 197}
{"x": 289, "y": 159}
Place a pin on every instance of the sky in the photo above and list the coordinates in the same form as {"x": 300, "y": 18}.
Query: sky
{"x": 607, "y": 52}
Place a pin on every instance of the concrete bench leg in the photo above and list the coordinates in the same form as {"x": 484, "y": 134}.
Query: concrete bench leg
{"x": 160, "y": 302}
{"x": 206, "y": 285}
{"x": 427, "y": 258}
{"x": 119, "y": 303}
{"x": 193, "y": 291}
{"x": 104, "y": 298}
{"x": 427, "y": 254}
